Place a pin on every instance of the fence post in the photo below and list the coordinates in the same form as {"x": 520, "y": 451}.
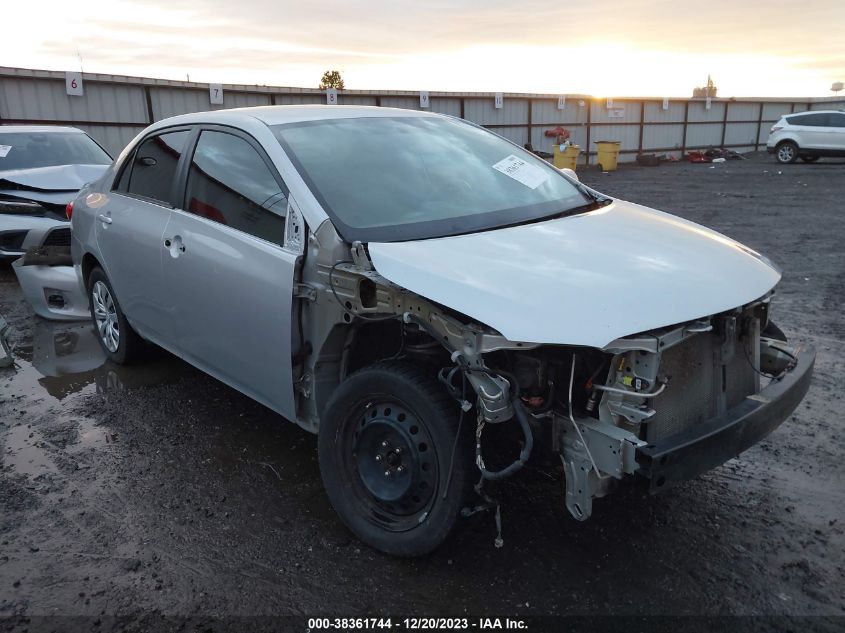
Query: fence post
{"x": 642, "y": 127}
{"x": 759, "y": 128}
{"x": 589, "y": 123}
{"x": 150, "y": 116}
{"x": 530, "y": 122}
{"x": 686, "y": 124}
{"x": 724, "y": 123}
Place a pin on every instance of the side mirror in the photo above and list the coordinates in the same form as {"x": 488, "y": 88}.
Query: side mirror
{"x": 571, "y": 173}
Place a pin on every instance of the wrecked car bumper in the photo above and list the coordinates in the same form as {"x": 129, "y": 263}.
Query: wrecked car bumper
{"x": 19, "y": 233}
{"x": 686, "y": 455}
{"x": 52, "y": 291}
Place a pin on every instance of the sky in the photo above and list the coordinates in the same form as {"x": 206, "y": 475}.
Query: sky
{"x": 597, "y": 47}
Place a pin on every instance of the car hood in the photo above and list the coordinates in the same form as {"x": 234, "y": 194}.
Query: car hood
{"x": 54, "y": 185}
{"x": 586, "y": 279}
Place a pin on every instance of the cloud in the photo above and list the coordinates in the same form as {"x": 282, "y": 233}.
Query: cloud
{"x": 444, "y": 43}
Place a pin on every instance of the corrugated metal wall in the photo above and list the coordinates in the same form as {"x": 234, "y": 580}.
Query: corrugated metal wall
{"x": 115, "y": 108}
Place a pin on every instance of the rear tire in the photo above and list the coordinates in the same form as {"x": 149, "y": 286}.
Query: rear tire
{"x": 810, "y": 159}
{"x": 119, "y": 341}
{"x": 385, "y": 446}
{"x": 786, "y": 152}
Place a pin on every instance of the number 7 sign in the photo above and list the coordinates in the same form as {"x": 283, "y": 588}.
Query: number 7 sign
{"x": 215, "y": 94}
{"x": 73, "y": 84}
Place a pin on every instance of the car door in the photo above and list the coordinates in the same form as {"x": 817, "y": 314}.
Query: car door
{"x": 130, "y": 227}
{"x": 815, "y": 130}
{"x": 837, "y": 131}
{"x": 226, "y": 270}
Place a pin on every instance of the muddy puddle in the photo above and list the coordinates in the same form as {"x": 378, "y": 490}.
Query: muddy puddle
{"x": 59, "y": 364}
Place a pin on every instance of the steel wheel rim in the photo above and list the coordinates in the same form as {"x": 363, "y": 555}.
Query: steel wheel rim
{"x": 396, "y": 490}
{"x": 105, "y": 316}
{"x": 785, "y": 153}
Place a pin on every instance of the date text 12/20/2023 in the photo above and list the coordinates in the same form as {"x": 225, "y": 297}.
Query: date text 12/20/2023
{"x": 416, "y": 624}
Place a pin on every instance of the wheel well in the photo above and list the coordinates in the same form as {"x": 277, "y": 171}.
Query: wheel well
{"x": 784, "y": 141}
{"x": 374, "y": 342}
{"x": 89, "y": 262}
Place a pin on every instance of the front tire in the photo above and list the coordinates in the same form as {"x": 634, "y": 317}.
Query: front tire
{"x": 119, "y": 341}
{"x": 786, "y": 152}
{"x": 385, "y": 448}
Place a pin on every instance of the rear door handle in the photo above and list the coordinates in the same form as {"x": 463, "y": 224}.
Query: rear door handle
{"x": 104, "y": 219}
{"x": 174, "y": 244}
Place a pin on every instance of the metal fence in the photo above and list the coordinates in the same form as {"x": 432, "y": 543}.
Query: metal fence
{"x": 114, "y": 108}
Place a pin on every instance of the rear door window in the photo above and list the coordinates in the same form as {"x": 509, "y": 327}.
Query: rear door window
{"x": 230, "y": 182}
{"x": 150, "y": 171}
{"x": 818, "y": 119}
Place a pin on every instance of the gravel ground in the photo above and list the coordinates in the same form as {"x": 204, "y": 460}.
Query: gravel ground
{"x": 158, "y": 490}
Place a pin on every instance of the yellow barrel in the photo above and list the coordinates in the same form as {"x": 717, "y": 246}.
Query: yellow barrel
{"x": 568, "y": 157}
{"x": 608, "y": 154}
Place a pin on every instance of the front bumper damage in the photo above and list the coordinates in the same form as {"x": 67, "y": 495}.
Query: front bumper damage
{"x": 52, "y": 290}
{"x": 684, "y": 456}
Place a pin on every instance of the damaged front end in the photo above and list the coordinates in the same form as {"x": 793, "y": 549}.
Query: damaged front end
{"x": 49, "y": 283}
{"x": 665, "y": 405}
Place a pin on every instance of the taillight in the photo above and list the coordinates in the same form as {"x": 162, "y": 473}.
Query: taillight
{"x": 775, "y": 128}
{"x": 69, "y": 210}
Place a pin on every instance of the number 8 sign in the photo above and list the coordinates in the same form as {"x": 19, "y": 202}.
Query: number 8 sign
{"x": 73, "y": 84}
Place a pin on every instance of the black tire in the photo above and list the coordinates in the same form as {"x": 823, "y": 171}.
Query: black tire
{"x": 786, "y": 152}
{"x": 130, "y": 346}
{"x": 810, "y": 159}
{"x": 402, "y": 502}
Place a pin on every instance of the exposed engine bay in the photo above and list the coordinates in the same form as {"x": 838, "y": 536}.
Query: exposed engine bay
{"x": 595, "y": 410}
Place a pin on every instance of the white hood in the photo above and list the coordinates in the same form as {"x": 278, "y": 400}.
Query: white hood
{"x": 582, "y": 280}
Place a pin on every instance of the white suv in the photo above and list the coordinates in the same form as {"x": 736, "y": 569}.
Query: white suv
{"x": 808, "y": 136}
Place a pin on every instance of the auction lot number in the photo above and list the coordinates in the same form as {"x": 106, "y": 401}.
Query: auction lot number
{"x": 414, "y": 624}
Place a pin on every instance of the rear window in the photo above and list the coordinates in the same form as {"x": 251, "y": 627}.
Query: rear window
{"x": 150, "y": 171}
{"x": 27, "y": 150}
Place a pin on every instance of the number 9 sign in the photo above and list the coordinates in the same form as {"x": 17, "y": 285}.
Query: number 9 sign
{"x": 73, "y": 84}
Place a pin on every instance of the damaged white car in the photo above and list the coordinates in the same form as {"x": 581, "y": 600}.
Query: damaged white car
{"x": 42, "y": 169}
{"x": 404, "y": 283}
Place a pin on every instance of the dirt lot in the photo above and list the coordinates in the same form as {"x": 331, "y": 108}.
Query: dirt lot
{"x": 158, "y": 490}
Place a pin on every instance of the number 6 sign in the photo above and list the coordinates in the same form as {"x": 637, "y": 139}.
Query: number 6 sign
{"x": 73, "y": 84}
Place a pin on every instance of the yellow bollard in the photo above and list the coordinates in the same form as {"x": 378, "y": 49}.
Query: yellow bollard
{"x": 607, "y": 154}
{"x": 567, "y": 158}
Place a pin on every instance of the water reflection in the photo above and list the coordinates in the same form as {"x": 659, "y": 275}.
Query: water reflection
{"x": 65, "y": 358}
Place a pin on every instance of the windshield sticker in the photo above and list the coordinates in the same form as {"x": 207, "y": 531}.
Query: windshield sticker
{"x": 4, "y": 149}
{"x": 529, "y": 175}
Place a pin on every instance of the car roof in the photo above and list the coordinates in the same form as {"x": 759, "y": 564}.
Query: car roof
{"x": 277, "y": 115}
{"x": 39, "y": 129}
{"x": 815, "y": 112}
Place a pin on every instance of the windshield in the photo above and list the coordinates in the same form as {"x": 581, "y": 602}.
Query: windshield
{"x": 25, "y": 150}
{"x": 406, "y": 178}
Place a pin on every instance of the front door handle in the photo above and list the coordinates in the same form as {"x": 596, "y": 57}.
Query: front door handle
{"x": 105, "y": 219}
